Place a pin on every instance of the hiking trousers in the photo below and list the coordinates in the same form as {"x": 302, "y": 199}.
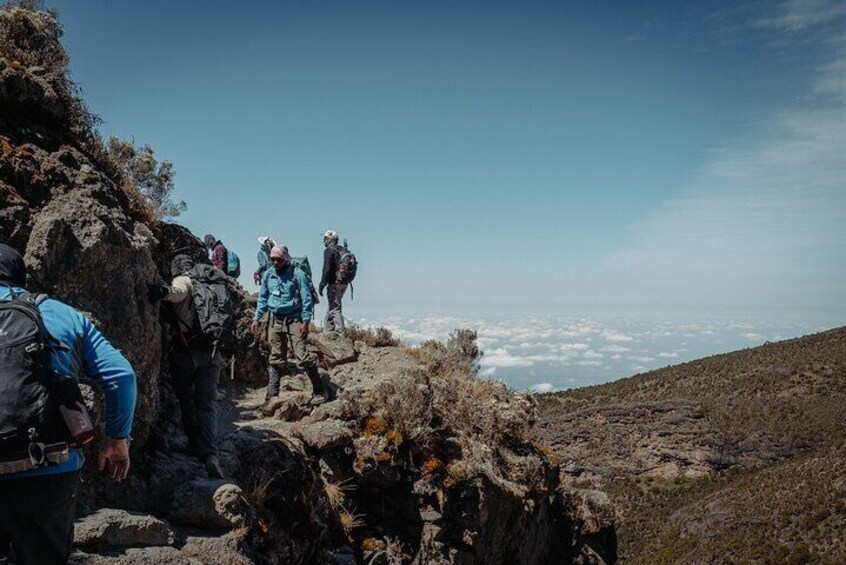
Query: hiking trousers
{"x": 195, "y": 374}
{"x": 283, "y": 336}
{"x": 36, "y": 518}
{"x": 334, "y": 321}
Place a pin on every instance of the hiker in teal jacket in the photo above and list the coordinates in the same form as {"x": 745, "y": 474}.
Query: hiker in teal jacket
{"x": 285, "y": 294}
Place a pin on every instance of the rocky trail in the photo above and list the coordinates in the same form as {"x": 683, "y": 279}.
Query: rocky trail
{"x": 315, "y": 484}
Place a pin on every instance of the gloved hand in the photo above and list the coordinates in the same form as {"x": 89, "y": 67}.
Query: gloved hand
{"x": 156, "y": 292}
{"x": 256, "y": 278}
{"x": 321, "y": 289}
{"x": 304, "y": 328}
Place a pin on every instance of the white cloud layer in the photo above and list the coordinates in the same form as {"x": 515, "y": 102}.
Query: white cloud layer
{"x": 544, "y": 352}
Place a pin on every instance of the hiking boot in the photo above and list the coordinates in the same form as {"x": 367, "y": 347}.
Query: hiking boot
{"x": 319, "y": 393}
{"x": 212, "y": 465}
{"x": 274, "y": 376}
{"x": 268, "y": 408}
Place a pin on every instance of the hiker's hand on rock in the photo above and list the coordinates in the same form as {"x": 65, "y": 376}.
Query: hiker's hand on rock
{"x": 156, "y": 292}
{"x": 304, "y": 329}
{"x": 255, "y": 327}
{"x": 114, "y": 458}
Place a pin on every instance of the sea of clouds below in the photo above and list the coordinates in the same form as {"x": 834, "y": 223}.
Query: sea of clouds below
{"x": 547, "y": 353}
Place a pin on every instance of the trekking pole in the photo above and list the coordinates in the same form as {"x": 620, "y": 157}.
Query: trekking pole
{"x": 232, "y": 368}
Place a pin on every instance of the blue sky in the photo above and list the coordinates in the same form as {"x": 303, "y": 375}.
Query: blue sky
{"x": 659, "y": 159}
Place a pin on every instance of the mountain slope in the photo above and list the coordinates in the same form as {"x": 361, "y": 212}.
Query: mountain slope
{"x": 736, "y": 456}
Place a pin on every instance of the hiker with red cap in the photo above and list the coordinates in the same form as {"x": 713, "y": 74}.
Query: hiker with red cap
{"x": 286, "y": 294}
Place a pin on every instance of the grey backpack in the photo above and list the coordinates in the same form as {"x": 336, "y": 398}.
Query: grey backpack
{"x": 215, "y": 327}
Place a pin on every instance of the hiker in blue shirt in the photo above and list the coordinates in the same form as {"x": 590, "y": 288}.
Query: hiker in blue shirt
{"x": 38, "y": 504}
{"x": 286, "y": 294}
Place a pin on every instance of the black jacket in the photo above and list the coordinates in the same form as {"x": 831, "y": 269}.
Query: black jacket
{"x": 331, "y": 258}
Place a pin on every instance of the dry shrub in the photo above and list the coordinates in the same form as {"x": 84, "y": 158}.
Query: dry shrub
{"x": 147, "y": 182}
{"x": 399, "y": 409}
{"x": 550, "y": 453}
{"x": 450, "y": 396}
{"x": 30, "y": 42}
{"x": 433, "y": 468}
{"x": 468, "y": 404}
{"x": 372, "y": 336}
{"x": 30, "y": 39}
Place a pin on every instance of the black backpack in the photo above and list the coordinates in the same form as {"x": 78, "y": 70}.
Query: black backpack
{"x": 215, "y": 322}
{"x": 28, "y": 404}
{"x": 347, "y": 266}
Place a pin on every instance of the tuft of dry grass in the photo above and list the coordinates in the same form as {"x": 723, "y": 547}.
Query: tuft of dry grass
{"x": 260, "y": 490}
{"x": 350, "y": 520}
{"x": 336, "y": 493}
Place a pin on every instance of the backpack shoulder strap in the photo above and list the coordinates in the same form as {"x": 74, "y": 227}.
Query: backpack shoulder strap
{"x": 36, "y": 300}
{"x": 295, "y": 278}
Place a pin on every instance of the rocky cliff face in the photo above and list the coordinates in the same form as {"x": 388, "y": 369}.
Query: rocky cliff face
{"x": 389, "y": 471}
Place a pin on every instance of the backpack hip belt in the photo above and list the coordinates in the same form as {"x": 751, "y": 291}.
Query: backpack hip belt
{"x": 39, "y": 455}
{"x": 286, "y": 319}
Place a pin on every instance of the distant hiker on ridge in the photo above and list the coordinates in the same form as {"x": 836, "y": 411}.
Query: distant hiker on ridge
{"x": 222, "y": 258}
{"x": 195, "y": 353}
{"x": 218, "y": 251}
{"x": 286, "y": 295}
{"x": 265, "y": 245}
{"x": 339, "y": 270}
{"x": 46, "y": 347}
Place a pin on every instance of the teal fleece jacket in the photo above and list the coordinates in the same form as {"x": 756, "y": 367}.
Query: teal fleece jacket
{"x": 285, "y": 294}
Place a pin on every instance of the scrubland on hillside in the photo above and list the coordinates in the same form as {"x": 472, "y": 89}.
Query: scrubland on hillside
{"x": 736, "y": 457}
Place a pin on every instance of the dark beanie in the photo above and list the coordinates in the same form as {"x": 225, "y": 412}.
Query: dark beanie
{"x": 12, "y": 266}
{"x": 180, "y": 265}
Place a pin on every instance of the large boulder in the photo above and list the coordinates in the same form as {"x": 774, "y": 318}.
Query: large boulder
{"x": 83, "y": 246}
{"x": 85, "y": 250}
{"x": 332, "y": 348}
{"x": 119, "y": 528}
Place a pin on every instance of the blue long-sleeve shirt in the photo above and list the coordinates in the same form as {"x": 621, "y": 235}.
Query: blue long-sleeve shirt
{"x": 285, "y": 294}
{"x": 91, "y": 355}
